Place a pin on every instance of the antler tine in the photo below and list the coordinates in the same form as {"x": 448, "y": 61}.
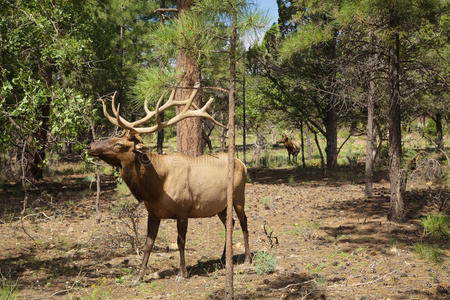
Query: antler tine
{"x": 107, "y": 115}
{"x": 195, "y": 113}
{"x": 185, "y": 113}
{"x": 121, "y": 122}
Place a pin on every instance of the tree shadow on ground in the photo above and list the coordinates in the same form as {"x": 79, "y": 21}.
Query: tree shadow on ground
{"x": 297, "y": 174}
{"x": 286, "y": 286}
{"x": 371, "y": 226}
{"x": 204, "y": 268}
{"x": 49, "y": 193}
{"x": 57, "y": 269}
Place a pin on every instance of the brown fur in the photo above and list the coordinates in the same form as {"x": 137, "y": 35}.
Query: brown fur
{"x": 292, "y": 146}
{"x": 175, "y": 186}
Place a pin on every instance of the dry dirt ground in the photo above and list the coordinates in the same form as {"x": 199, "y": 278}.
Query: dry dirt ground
{"x": 329, "y": 242}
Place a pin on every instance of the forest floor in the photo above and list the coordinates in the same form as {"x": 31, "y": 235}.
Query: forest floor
{"x": 325, "y": 239}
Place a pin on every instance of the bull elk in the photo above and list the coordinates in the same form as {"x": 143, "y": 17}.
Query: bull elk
{"x": 292, "y": 146}
{"x": 173, "y": 186}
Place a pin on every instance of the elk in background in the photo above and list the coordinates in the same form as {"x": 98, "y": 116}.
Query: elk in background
{"x": 292, "y": 146}
{"x": 173, "y": 186}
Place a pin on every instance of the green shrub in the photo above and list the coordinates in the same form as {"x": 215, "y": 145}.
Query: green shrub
{"x": 267, "y": 202}
{"x": 7, "y": 289}
{"x": 265, "y": 262}
{"x": 122, "y": 189}
{"x": 248, "y": 179}
{"x": 435, "y": 226}
{"x": 291, "y": 179}
{"x": 429, "y": 252}
{"x": 431, "y": 130}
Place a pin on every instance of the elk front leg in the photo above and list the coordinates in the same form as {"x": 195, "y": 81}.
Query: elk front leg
{"x": 152, "y": 231}
{"x": 182, "y": 224}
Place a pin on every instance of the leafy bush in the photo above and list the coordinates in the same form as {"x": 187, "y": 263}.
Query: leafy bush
{"x": 435, "y": 226}
{"x": 7, "y": 289}
{"x": 122, "y": 189}
{"x": 265, "y": 262}
{"x": 429, "y": 252}
{"x": 248, "y": 179}
{"x": 430, "y": 128}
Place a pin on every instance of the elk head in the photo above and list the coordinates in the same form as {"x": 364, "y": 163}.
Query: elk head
{"x": 284, "y": 139}
{"x": 122, "y": 149}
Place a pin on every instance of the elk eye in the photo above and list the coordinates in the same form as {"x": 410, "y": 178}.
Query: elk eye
{"x": 117, "y": 145}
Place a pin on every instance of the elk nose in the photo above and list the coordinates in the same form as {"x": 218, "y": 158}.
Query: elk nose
{"x": 88, "y": 147}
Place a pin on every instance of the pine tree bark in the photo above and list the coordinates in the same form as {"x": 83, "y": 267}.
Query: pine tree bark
{"x": 302, "y": 143}
{"x": 189, "y": 131}
{"x": 397, "y": 206}
{"x": 308, "y": 143}
{"x": 331, "y": 136}
{"x": 439, "y": 132}
{"x": 160, "y": 134}
{"x": 331, "y": 115}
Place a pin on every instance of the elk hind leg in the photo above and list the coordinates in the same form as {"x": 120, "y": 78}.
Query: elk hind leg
{"x": 223, "y": 217}
{"x": 239, "y": 209}
{"x": 152, "y": 231}
{"x": 182, "y": 224}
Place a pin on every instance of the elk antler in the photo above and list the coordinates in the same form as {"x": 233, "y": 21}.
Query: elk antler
{"x": 185, "y": 113}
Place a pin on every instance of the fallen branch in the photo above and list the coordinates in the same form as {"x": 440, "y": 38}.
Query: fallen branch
{"x": 292, "y": 285}
{"x": 362, "y": 283}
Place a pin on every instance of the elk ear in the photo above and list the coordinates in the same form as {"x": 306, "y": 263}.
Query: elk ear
{"x": 141, "y": 148}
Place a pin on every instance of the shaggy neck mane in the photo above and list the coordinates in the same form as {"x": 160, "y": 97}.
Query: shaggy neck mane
{"x": 140, "y": 175}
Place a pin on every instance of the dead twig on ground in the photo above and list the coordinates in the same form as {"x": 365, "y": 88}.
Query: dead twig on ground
{"x": 293, "y": 285}
{"x": 272, "y": 239}
{"x": 362, "y": 283}
{"x": 75, "y": 282}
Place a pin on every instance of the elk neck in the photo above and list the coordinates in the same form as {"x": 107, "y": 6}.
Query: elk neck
{"x": 140, "y": 175}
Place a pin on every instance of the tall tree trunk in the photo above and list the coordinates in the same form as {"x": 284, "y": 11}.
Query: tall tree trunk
{"x": 160, "y": 134}
{"x": 207, "y": 140}
{"x": 229, "y": 290}
{"x": 331, "y": 136}
{"x": 308, "y": 143}
{"x": 36, "y": 159}
{"x": 331, "y": 115}
{"x": 439, "y": 132}
{"x": 189, "y": 131}
{"x": 397, "y": 206}
{"x": 370, "y": 127}
{"x": 302, "y": 142}
{"x": 244, "y": 126}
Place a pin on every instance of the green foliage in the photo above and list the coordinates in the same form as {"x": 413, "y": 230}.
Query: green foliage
{"x": 308, "y": 230}
{"x": 122, "y": 189}
{"x": 8, "y": 289}
{"x": 265, "y": 262}
{"x": 267, "y": 202}
{"x": 430, "y": 128}
{"x": 428, "y": 252}
{"x": 248, "y": 179}
{"x": 436, "y": 226}
{"x": 95, "y": 292}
